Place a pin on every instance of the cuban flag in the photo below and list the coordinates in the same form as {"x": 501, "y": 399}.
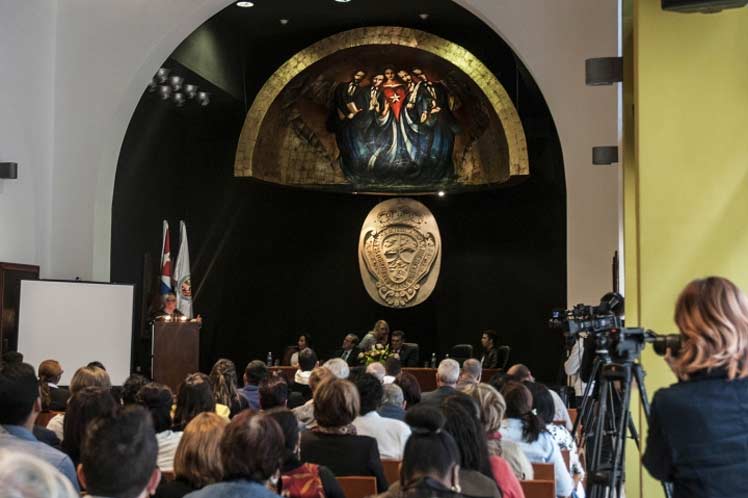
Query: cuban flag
{"x": 166, "y": 287}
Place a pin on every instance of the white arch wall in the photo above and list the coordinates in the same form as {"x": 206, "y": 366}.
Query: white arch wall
{"x": 90, "y": 62}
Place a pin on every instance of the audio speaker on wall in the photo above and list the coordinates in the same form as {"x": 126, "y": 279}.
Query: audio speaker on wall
{"x": 703, "y": 6}
{"x": 8, "y": 171}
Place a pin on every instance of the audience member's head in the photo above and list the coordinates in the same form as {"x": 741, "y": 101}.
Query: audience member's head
{"x": 461, "y": 414}
{"x": 336, "y": 403}
{"x": 393, "y": 367}
{"x": 370, "y": 393}
{"x": 349, "y": 342}
{"x": 712, "y": 317}
{"x": 256, "y": 371}
{"x": 411, "y": 389}
{"x": 488, "y": 339}
{"x": 542, "y": 402}
{"x": 89, "y": 376}
{"x": 198, "y": 456}
{"x": 49, "y": 372}
{"x": 318, "y": 376}
{"x": 97, "y": 364}
{"x": 471, "y": 371}
{"x": 491, "y": 403}
{"x": 131, "y": 387}
{"x": 393, "y": 396}
{"x": 519, "y": 406}
{"x": 157, "y": 399}
{"x": 397, "y": 339}
{"x": 10, "y": 357}
{"x": 498, "y": 380}
{"x": 430, "y": 450}
{"x": 520, "y": 373}
{"x": 118, "y": 456}
{"x": 224, "y": 381}
{"x": 84, "y": 406}
{"x": 26, "y": 476}
{"x": 252, "y": 447}
{"x": 289, "y": 424}
{"x": 307, "y": 360}
{"x": 273, "y": 392}
{"x": 19, "y": 395}
{"x": 339, "y": 367}
{"x": 304, "y": 341}
{"x": 194, "y": 396}
{"x": 447, "y": 373}
{"x": 377, "y": 370}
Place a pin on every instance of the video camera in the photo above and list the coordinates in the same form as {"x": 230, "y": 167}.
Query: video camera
{"x": 604, "y": 322}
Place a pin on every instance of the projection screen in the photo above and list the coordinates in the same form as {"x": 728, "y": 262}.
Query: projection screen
{"x": 75, "y": 323}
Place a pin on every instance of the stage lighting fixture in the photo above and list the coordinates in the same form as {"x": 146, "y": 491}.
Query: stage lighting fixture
{"x": 245, "y": 5}
{"x": 190, "y": 91}
{"x": 164, "y": 92}
{"x": 284, "y": 21}
{"x": 423, "y": 16}
{"x": 153, "y": 85}
{"x": 162, "y": 74}
{"x": 176, "y": 82}
{"x": 178, "y": 99}
{"x": 342, "y": 1}
{"x": 440, "y": 193}
{"x": 203, "y": 98}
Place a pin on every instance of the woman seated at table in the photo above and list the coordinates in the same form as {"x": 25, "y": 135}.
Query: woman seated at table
{"x": 333, "y": 442}
{"x": 304, "y": 341}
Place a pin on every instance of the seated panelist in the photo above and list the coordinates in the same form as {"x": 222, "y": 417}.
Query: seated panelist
{"x": 408, "y": 355}
{"x": 349, "y": 350}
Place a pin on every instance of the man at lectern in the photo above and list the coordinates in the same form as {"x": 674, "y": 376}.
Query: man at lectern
{"x": 168, "y": 310}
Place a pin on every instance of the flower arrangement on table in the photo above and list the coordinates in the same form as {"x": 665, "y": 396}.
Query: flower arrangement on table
{"x": 378, "y": 353}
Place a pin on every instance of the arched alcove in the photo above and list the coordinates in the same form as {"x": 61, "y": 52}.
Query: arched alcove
{"x": 269, "y": 262}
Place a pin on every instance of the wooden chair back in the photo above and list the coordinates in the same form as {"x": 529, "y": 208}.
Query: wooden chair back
{"x": 391, "y": 470}
{"x": 543, "y": 471}
{"x": 573, "y": 415}
{"x": 567, "y": 459}
{"x": 44, "y": 417}
{"x": 538, "y": 489}
{"x": 358, "y": 486}
{"x": 168, "y": 475}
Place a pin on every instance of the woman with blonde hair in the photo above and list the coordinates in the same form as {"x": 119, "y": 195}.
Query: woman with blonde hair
{"x": 697, "y": 430}
{"x": 88, "y": 376}
{"x": 197, "y": 461}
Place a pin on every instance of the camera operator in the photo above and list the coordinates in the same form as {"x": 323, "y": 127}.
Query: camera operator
{"x": 698, "y": 431}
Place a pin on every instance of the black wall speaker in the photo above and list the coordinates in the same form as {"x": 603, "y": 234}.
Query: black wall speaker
{"x": 603, "y": 70}
{"x": 8, "y": 171}
{"x": 703, "y": 6}
{"x": 607, "y": 154}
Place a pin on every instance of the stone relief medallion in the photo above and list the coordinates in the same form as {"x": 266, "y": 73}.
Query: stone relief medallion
{"x": 399, "y": 253}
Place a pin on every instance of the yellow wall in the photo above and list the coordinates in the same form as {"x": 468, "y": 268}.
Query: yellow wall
{"x": 686, "y": 179}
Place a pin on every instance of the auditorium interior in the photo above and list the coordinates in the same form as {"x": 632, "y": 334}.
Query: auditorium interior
{"x": 448, "y": 166}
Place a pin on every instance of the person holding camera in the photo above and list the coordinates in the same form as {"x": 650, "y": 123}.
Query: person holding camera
{"x": 698, "y": 429}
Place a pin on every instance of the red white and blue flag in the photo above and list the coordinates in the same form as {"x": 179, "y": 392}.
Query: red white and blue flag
{"x": 166, "y": 286}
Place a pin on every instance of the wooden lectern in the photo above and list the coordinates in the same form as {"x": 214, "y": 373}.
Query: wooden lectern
{"x": 175, "y": 351}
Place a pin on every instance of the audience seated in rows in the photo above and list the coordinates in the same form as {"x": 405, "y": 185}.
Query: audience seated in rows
{"x": 20, "y": 404}
{"x": 521, "y": 373}
{"x": 54, "y": 398}
{"x": 197, "y": 461}
{"x": 118, "y": 456}
{"x": 88, "y": 376}
{"x": 446, "y": 380}
{"x": 338, "y": 367}
{"x": 528, "y": 431}
{"x": 302, "y": 479}
{"x": 391, "y": 435}
{"x": 252, "y": 449}
{"x": 23, "y": 475}
{"x": 158, "y": 400}
{"x": 411, "y": 389}
{"x": 305, "y": 412}
{"x": 471, "y": 372}
{"x": 392, "y": 370}
{"x": 195, "y": 396}
{"x": 131, "y": 387}
{"x": 377, "y": 370}
{"x": 254, "y": 373}
{"x": 224, "y": 382}
{"x": 86, "y": 405}
{"x": 333, "y": 442}
{"x": 393, "y": 402}
{"x": 273, "y": 392}
{"x": 307, "y": 362}
{"x": 492, "y": 408}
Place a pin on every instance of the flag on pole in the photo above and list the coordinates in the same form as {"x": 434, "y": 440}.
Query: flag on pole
{"x": 165, "y": 287}
{"x": 183, "y": 284}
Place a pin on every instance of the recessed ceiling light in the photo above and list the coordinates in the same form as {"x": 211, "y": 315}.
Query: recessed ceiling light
{"x": 245, "y": 4}
{"x": 423, "y": 16}
{"x": 342, "y": 1}
{"x": 284, "y": 21}
{"x": 441, "y": 193}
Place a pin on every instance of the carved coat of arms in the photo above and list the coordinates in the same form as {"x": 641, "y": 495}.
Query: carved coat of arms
{"x": 399, "y": 253}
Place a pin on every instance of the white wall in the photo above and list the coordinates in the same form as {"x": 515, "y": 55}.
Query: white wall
{"x": 107, "y": 50}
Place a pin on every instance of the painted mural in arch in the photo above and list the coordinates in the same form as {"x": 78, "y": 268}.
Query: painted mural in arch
{"x": 383, "y": 110}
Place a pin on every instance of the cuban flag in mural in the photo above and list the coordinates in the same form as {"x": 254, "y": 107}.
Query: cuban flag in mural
{"x": 166, "y": 287}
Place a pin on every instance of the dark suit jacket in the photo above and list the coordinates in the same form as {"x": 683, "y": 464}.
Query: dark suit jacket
{"x": 408, "y": 356}
{"x": 490, "y": 359}
{"x": 58, "y": 399}
{"x": 434, "y": 398}
{"x": 345, "y": 455}
{"x": 352, "y": 358}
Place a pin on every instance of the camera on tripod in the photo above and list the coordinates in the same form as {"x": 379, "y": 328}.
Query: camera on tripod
{"x": 605, "y": 323}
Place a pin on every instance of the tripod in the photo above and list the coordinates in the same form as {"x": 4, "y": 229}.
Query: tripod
{"x": 606, "y": 417}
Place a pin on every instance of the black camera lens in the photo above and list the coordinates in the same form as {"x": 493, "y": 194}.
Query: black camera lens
{"x": 662, "y": 343}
